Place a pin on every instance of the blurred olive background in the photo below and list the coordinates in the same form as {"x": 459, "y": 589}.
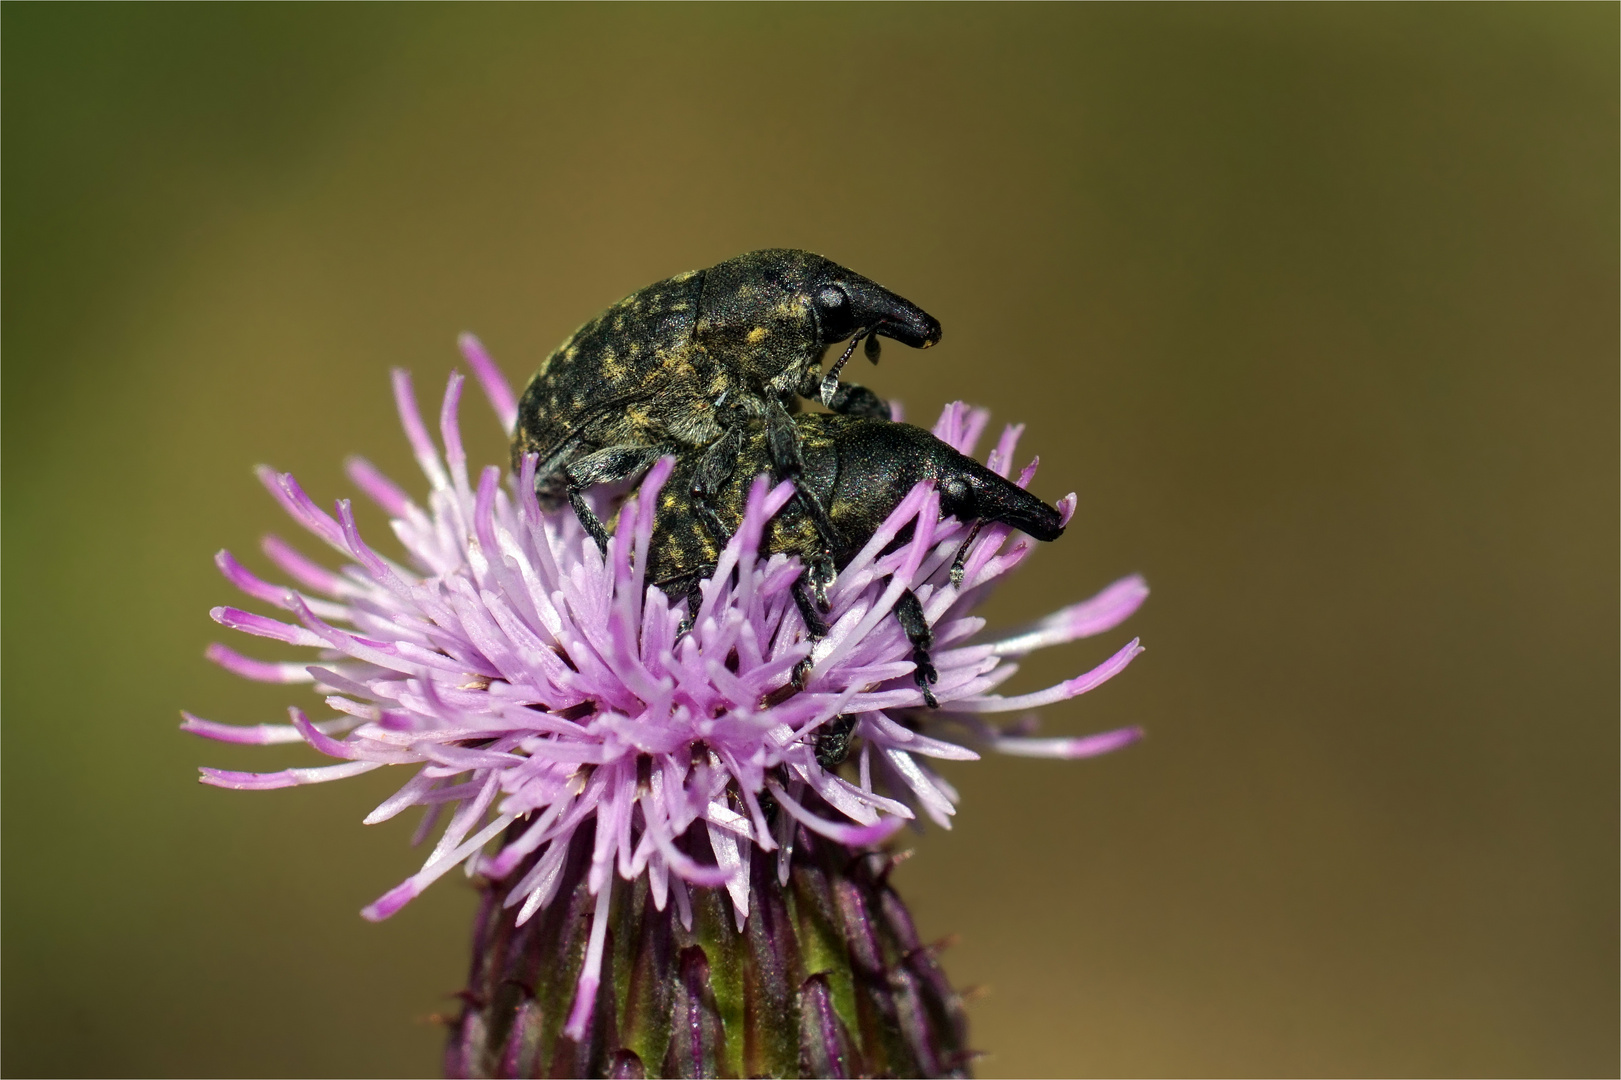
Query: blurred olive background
{"x": 1315, "y": 307}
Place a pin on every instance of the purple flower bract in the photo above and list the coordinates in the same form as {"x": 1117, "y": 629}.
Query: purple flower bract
{"x": 536, "y": 686}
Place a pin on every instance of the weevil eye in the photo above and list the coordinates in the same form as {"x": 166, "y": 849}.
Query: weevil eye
{"x": 835, "y": 313}
{"x": 957, "y": 496}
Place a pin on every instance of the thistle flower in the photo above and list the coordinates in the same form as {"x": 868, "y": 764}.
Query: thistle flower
{"x": 604, "y": 767}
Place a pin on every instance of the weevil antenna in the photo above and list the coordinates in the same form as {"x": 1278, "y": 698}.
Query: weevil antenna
{"x": 830, "y": 381}
{"x": 960, "y": 560}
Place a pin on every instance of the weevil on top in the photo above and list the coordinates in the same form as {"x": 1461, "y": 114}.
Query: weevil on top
{"x": 686, "y": 364}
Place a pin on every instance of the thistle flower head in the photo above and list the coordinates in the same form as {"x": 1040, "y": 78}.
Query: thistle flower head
{"x": 537, "y": 686}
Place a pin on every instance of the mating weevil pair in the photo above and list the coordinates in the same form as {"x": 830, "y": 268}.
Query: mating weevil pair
{"x": 684, "y": 364}
{"x": 709, "y": 366}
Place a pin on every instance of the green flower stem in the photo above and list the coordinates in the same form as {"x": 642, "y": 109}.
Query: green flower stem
{"x": 826, "y": 978}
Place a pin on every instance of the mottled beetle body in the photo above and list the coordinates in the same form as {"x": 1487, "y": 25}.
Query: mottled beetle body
{"x": 687, "y": 362}
{"x": 861, "y": 468}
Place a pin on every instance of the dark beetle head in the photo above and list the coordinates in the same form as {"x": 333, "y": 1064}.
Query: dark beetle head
{"x": 847, "y": 304}
{"x": 776, "y": 311}
{"x": 879, "y": 462}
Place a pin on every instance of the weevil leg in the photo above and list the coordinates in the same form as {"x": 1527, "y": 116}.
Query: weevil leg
{"x": 910, "y": 613}
{"x": 847, "y": 399}
{"x": 714, "y": 469}
{"x": 815, "y": 626}
{"x": 603, "y": 467}
{"x": 852, "y": 399}
{"x": 783, "y": 440}
{"x": 551, "y": 473}
{"x": 695, "y": 600}
{"x": 819, "y": 568}
{"x": 588, "y": 518}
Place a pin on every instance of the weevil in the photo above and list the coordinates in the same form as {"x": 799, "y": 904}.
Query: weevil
{"x": 686, "y": 363}
{"x": 860, "y": 468}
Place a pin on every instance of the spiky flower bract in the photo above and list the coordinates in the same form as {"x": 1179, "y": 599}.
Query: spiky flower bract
{"x": 544, "y": 693}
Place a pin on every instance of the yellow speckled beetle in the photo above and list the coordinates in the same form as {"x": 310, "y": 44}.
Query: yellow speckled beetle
{"x": 687, "y": 362}
{"x": 859, "y": 469}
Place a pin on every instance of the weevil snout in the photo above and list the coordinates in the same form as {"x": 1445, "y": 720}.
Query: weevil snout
{"x": 877, "y": 309}
{"x": 998, "y": 499}
{"x": 848, "y": 304}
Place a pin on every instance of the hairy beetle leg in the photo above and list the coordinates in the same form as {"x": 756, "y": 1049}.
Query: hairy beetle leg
{"x": 695, "y": 600}
{"x": 603, "y": 467}
{"x": 821, "y": 571}
{"x": 815, "y": 626}
{"x": 801, "y": 673}
{"x": 910, "y": 613}
{"x": 714, "y": 469}
{"x": 588, "y": 517}
{"x": 852, "y": 399}
{"x": 783, "y": 441}
{"x": 846, "y": 399}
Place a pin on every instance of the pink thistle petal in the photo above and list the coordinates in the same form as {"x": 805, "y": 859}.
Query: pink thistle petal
{"x": 1001, "y": 459}
{"x": 936, "y": 803}
{"x": 247, "y": 735}
{"x": 257, "y": 670}
{"x": 728, "y": 855}
{"x": 972, "y": 428}
{"x": 1062, "y": 692}
{"x": 450, "y": 431}
{"x": 355, "y": 751}
{"x": 438, "y": 865}
{"x": 391, "y": 902}
{"x": 914, "y": 742}
{"x": 260, "y": 626}
{"x": 947, "y": 428}
{"x": 278, "y": 595}
{"x": 250, "y": 781}
{"x": 1108, "y": 609}
{"x": 849, "y": 835}
{"x": 415, "y": 790}
{"x": 1082, "y": 747}
{"x": 243, "y": 579}
{"x": 1066, "y": 509}
{"x": 379, "y": 488}
{"x": 491, "y": 380}
{"x": 897, "y": 520}
{"x": 380, "y": 571}
{"x": 484, "y": 510}
{"x": 301, "y": 507}
{"x": 416, "y": 432}
{"x": 585, "y": 996}
{"x": 310, "y": 574}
